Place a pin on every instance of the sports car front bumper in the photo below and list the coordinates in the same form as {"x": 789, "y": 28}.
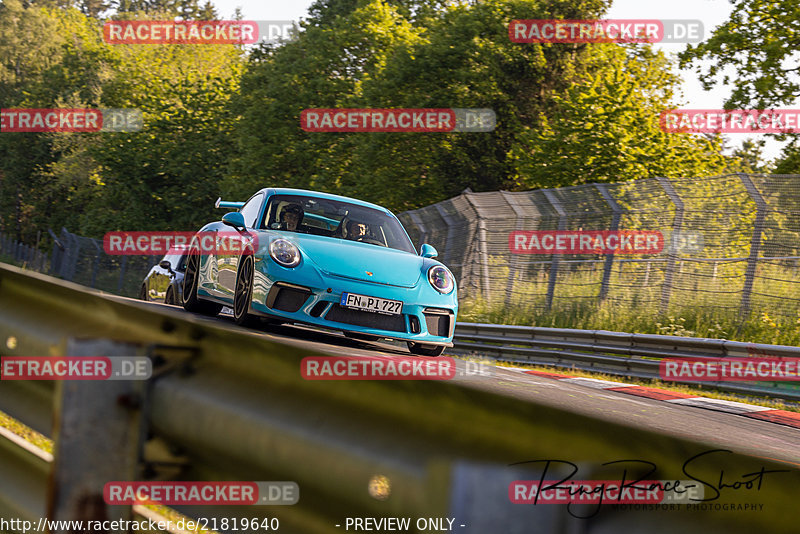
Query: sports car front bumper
{"x": 427, "y": 316}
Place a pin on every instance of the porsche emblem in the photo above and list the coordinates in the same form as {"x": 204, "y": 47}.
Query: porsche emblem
{"x": 369, "y": 273}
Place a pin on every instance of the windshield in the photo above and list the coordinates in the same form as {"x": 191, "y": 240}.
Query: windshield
{"x": 335, "y": 219}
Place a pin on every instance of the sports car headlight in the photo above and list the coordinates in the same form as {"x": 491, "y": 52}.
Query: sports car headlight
{"x": 284, "y": 253}
{"x": 441, "y": 279}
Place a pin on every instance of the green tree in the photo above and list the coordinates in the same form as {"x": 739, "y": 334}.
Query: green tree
{"x": 789, "y": 160}
{"x": 25, "y": 64}
{"x": 605, "y": 126}
{"x": 162, "y": 177}
{"x": 167, "y": 9}
{"x": 754, "y": 53}
{"x": 167, "y": 175}
{"x": 375, "y": 56}
{"x": 749, "y": 158}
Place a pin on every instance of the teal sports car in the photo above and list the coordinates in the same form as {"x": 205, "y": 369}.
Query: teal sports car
{"x": 324, "y": 260}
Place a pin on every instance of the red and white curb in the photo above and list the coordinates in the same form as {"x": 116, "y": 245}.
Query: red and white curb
{"x": 763, "y": 413}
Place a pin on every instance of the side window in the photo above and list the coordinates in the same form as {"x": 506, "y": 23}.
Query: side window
{"x": 250, "y": 210}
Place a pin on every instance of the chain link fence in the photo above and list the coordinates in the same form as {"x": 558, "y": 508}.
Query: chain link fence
{"x": 81, "y": 260}
{"x": 743, "y": 257}
{"x": 29, "y": 257}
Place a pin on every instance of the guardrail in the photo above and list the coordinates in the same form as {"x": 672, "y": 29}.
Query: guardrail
{"x": 225, "y": 403}
{"x": 617, "y": 353}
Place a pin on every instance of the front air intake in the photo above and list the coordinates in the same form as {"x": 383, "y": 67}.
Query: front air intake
{"x": 288, "y": 298}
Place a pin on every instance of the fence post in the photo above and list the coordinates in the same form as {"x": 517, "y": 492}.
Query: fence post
{"x": 555, "y": 258}
{"x": 448, "y": 245}
{"x": 122, "y": 265}
{"x": 96, "y": 262}
{"x": 484, "y": 253}
{"x": 97, "y": 438}
{"x": 68, "y": 250}
{"x": 615, "y": 218}
{"x": 449, "y": 253}
{"x": 418, "y": 222}
{"x": 755, "y": 243}
{"x": 74, "y": 250}
{"x": 513, "y": 266}
{"x": 57, "y": 254}
{"x": 672, "y": 257}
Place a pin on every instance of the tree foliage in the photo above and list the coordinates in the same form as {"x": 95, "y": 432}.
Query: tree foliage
{"x": 566, "y": 113}
{"x": 755, "y": 54}
{"x": 223, "y": 120}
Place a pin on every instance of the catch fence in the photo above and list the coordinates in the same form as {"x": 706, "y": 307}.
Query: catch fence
{"x": 81, "y": 260}
{"x": 731, "y": 244}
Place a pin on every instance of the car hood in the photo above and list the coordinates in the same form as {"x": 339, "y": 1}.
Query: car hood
{"x": 350, "y": 259}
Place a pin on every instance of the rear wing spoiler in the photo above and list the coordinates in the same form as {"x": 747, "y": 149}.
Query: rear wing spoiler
{"x": 227, "y": 204}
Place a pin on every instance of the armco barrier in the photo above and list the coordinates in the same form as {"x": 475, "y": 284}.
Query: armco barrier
{"x": 229, "y": 404}
{"x": 616, "y": 353}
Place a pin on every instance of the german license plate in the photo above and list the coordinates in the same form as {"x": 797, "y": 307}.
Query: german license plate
{"x": 371, "y": 304}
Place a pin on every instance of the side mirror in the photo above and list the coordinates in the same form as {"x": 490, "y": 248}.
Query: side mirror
{"x": 427, "y": 251}
{"x": 165, "y": 264}
{"x": 234, "y": 219}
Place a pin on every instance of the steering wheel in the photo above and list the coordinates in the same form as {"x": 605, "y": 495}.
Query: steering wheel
{"x": 370, "y": 240}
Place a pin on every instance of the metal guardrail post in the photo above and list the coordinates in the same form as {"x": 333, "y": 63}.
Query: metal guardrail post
{"x": 97, "y": 438}
{"x": 755, "y": 243}
{"x": 556, "y": 258}
{"x": 672, "y": 257}
{"x": 615, "y": 218}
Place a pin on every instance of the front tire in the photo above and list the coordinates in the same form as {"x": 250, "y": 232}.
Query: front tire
{"x": 190, "y": 280}
{"x": 421, "y": 349}
{"x": 169, "y": 298}
{"x": 244, "y": 293}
